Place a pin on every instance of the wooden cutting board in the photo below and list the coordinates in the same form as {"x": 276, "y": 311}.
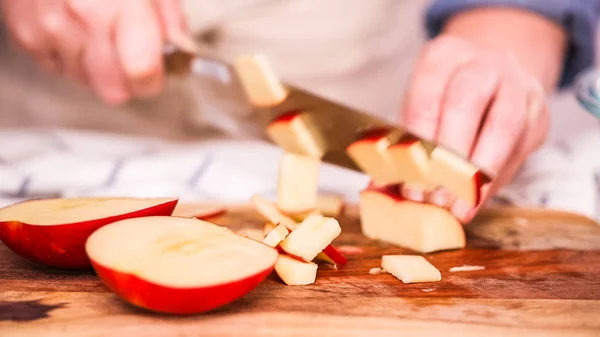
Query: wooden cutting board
{"x": 541, "y": 278}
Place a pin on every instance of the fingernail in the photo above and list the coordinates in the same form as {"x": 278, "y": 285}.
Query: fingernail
{"x": 462, "y": 211}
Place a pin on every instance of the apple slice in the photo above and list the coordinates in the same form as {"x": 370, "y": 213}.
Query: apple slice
{"x": 410, "y": 268}
{"x": 332, "y": 256}
{"x": 297, "y": 183}
{"x": 276, "y": 236}
{"x": 268, "y": 228}
{"x": 330, "y": 205}
{"x": 202, "y": 212}
{"x": 53, "y": 232}
{"x": 457, "y": 175}
{"x": 294, "y": 132}
{"x": 271, "y": 213}
{"x": 421, "y": 227}
{"x": 295, "y": 272}
{"x": 259, "y": 81}
{"x": 371, "y": 155}
{"x": 177, "y": 265}
{"x": 411, "y": 162}
{"x": 311, "y": 237}
{"x": 299, "y": 217}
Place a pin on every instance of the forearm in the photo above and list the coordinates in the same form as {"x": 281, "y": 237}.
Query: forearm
{"x": 538, "y": 43}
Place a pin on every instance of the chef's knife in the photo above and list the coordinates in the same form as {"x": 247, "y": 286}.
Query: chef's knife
{"x": 335, "y": 126}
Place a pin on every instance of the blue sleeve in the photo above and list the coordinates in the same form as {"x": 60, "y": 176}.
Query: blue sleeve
{"x": 577, "y": 17}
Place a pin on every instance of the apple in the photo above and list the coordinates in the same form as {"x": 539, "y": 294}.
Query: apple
{"x": 202, "y": 212}
{"x": 311, "y": 237}
{"x": 330, "y": 205}
{"x": 268, "y": 228}
{"x": 457, "y": 175}
{"x": 277, "y": 235}
{"x": 371, "y": 155}
{"x": 294, "y": 132}
{"x": 177, "y": 265}
{"x": 53, "y": 232}
{"x": 260, "y": 83}
{"x": 418, "y": 226}
{"x": 410, "y": 159}
{"x": 295, "y": 272}
{"x": 297, "y": 183}
{"x": 410, "y": 268}
{"x": 251, "y": 233}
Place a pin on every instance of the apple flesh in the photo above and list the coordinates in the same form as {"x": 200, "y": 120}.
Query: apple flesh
{"x": 332, "y": 256}
{"x": 251, "y": 233}
{"x": 278, "y": 234}
{"x": 411, "y": 162}
{"x": 53, "y": 232}
{"x": 293, "y": 131}
{"x": 455, "y": 174}
{"x": 295, "y": 272}
{"x": 311, "y": 237}
{"x": 298, "y": 183}
{"x": 330, "y": 205}
{"x": 260, "y": 83}
{"x": 202, "y": 212}
{"x": 418, "y": 226}
{"x": 178, "y": 265}
{"x": 371, "y": 155}
{"x": 410, "y": 268}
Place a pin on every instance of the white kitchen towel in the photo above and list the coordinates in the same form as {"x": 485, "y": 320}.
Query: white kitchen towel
{"x": 564, "y": 175}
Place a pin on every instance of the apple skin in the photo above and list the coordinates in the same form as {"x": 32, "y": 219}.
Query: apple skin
{"x": 180, "y": 301}
{"x": 63, "y": 246}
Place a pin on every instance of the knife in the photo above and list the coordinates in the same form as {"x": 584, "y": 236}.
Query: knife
{"x": 250, "y": 86}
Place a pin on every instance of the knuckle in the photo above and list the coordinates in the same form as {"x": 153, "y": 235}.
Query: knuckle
{"x": 53, "y": 24}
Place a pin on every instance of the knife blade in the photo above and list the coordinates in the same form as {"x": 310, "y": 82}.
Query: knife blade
{"x": 335, "y": 125}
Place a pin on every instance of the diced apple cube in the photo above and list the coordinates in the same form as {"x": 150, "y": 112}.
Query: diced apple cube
{"x": 410, "y": 268}
{"x": 262, "y": 86}
{"x": 295, "y": 272}
{"x": 276, "y": 236}
{"x": 293, "y": 132}
{"x": 330, "y": 204}
{"x": 311, "y": 237}
{"x": 298, "y": 183}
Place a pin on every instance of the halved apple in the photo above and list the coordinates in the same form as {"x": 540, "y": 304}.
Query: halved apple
{"x": 278, "y": 234}
{"x": 418, "y": 226}
{"x": 330, "y": 205}
{"x": 457, "y": 175}
{"x": 262, "y": 86}
{"x": 295, "y": 272}
{"x": 293, "y": 131}
{"x": 297, "y": 183}
{"x": 311, "y": 237}
{"x": 53, "y": 232}
{"x": 178, "y": 265}
{"x": 371, "y": 155}
{"x": 202, "y": 212}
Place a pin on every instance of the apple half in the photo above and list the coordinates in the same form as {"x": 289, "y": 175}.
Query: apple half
{"x": 418, "y": 226}
{"x": 294, "y": 132}
{"x": 178, "y": 265}
{"x": 259, "y": 81}
{"x": 297, "y": 183}
{"x": 53, "y": 232}
{"x": 457, "y": 175}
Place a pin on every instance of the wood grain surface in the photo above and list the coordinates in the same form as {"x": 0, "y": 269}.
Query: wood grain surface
{"x": 541, "y": 278}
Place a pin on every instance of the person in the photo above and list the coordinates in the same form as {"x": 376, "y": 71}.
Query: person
{"x": 478, "y": 85}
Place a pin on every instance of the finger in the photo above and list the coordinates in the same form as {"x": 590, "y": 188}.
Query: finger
{"x": 64, "y": 33}
{"x": 428, "y": 85}
{"x": 172, "y": 20}
{"x": 100, "y": 60}
{"x": 27, "y": 33}
{"x": 139, "y": 45}
{"x": 469, "y": 93}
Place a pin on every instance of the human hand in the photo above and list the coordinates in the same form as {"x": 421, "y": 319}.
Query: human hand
{"x": 479, "y": 102}
{"x": 113, "y": 46}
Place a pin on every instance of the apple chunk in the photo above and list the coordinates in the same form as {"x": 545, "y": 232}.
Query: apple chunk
{"x": 202, "y": 212}
{"x": 53, "y": 232}
{"x": 421, "y": 227}
{"x": 178, "y": 265}
{"x": 311, "y": 237}
{"x": 262, "y": 86}
{"x": 298, "y": 183}
{"x": 276, "y": 235}
{"x": 371, "y": 155}
{"x": 293, "y": 131}
{"x": 294, "y": 272}
{"x": 411, "y": 162}
{"x": 457, "y": 175}
{"x": 330, "y": 205}
{"x": 410, "y": 268}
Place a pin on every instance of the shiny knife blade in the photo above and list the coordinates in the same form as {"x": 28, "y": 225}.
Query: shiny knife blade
{"x": 335, "y": 125}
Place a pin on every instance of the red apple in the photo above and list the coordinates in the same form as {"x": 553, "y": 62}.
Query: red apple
{"x": 53, "y": 232}
{"x": 260, "y": 83}
{"x": 297, "y": 183}
{"x": 330, "y": 205}
{"x": 178, "y": 265}
{"x": 293, "y": 131}
{"x": 418, "y": 226}
{"x": 371, "y": 155}
{"x": 295, "y": 272}
{"x": 457, "y": 175}
{"x": 202, "y": 212}
{"x": 311, "y": 237}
